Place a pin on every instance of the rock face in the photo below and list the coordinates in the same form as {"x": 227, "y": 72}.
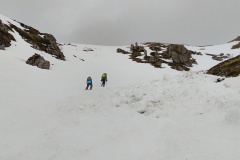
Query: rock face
{"x": 228, "y": 68}
{"x": 236, "y": 46}
{"x": 181, "y": 57}
{"x": 179, "y": 54}
{"x": 236, "y": 39}
{"x": 39, "y": 61}
{"x": 5, "y": 37}
{"x": 40, "y": 41}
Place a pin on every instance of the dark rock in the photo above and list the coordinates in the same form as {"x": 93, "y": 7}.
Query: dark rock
{"x": 136, "y": 48}
{"x": 39, "y": 61}
{"x": 193, "y": 61}
{"x": 236, "y": 46}
{"x": 179, "y": 54}
{"x": 88, "y": 49}
{"x": 135, "y": 54}
{"x": 157, "y": 64}
{"x": 52, "y": 47}
{"x": 236, "y": 39}
{"x": 153, "y": 53}
{"x": 219, "y": 80}
{"x": 119, "y": 50}
{"x": 5, "y": 36}
{"x": 40, "y": 41}
{"x": 154, "y": 46}
{"x": 228, "y": 68}
{"x": 217, "y": 58}
{"x": 179, "y": 67}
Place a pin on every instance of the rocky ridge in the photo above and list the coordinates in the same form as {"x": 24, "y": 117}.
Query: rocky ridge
{"x": 228, "y": 68}
{"x": 5, "y": 36}
{"x": 174, "y": 55}
{"x": 40, "y": 41}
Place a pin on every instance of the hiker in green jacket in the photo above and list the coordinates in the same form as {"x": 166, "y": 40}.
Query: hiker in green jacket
{"x": 104, "y": 79}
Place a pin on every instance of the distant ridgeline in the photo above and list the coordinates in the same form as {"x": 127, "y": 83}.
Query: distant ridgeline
{"x": 176, "y": 56}
{"x": 40, "y": 41}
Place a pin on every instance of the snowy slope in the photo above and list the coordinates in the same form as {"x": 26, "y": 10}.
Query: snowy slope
{"x": 142, "y": 113}
{"x": 205, "y": 62}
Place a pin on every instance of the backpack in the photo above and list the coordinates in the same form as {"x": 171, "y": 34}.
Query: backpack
{"x": 104, "y": 75}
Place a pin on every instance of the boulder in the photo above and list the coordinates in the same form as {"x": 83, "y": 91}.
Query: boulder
{"x": 87, "y": 49}
{"x": 220, "y": 80}
{"x": 119, "y": 50}
{"x": 179, "y": 54}
{"x": 158, "y": 64}
{"x": 39, "y": 61}
{"x": 217, "y": 58}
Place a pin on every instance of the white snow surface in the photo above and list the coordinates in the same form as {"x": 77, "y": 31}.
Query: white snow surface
{"x": 143, "y": 113}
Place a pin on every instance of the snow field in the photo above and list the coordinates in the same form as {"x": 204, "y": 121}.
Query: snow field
{"x": 142, "y": 113}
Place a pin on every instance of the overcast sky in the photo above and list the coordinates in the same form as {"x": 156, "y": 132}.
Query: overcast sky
{"x": 122, "y": 22}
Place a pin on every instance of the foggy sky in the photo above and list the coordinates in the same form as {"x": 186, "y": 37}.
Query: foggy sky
{"x": 122, "y": 22}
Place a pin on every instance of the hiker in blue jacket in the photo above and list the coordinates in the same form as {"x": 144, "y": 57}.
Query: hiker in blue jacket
{"x": 89, "y": 83}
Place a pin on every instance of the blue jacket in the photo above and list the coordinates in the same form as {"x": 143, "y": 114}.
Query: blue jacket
{"x": 89, "y": 81}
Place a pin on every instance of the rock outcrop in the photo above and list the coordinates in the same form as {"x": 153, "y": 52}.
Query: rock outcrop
{"x": 219, "y": 57}
{"x": 181, "y": 57}
{"x": 236, "y": 39}
{"x": 88, "y": 49}
{"x": 228, "y": 68}
{"x": 119, "y": 50}
{"x": 39, "y": 61}
{"x": 40, "y": 41}
{"x": 5, "y": 36}
{"x": 136, "y": 51}
{"x": 236, "y": 46}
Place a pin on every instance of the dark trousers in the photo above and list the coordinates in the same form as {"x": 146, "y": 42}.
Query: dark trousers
{"x": 103, "y": 82}
{"x": 89, "y": 85}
